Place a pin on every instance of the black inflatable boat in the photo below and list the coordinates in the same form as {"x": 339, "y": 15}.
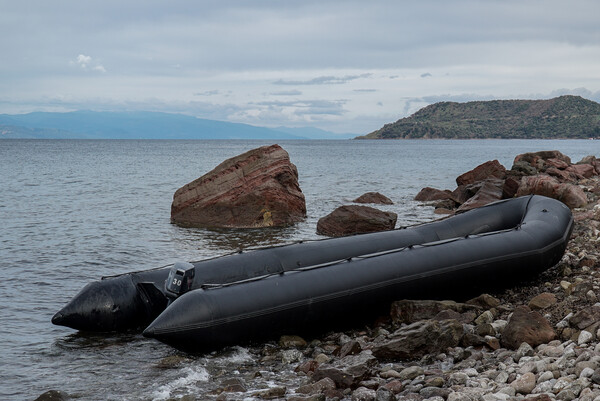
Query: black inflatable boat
{"x": 334, "y": 283}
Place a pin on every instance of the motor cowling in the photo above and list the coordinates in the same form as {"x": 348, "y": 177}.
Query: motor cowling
{"x": 180, "y": 280}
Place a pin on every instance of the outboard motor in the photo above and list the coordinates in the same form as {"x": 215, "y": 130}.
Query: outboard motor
{"x": 180, "y": 280}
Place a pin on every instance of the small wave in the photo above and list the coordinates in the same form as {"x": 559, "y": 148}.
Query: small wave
{"x": 191, "y": 375}
{"x": 237, "y": 356}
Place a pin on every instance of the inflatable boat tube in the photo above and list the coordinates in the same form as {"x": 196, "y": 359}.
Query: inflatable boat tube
{"x": 489, "y": 247}
{"x": 132, "y": 300}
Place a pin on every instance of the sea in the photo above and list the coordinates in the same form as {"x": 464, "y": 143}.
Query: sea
{"x": 72, "y": 211}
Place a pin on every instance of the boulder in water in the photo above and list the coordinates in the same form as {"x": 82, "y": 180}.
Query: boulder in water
{"x": 355, "y": 219}
{"x": 373, "y": 197}
{"x": 256, "y": 189}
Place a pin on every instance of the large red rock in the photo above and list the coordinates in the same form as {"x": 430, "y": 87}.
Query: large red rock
{"x": 582, "y": 170}
{"x": 527, "y": 326}
{"x": 256, "y": 189}
{"x": 539, "y": 159}
{"x": 490, "y": 191}
{"x": 355, "y": 219}
{"x": 571, "y": 195}
{"x": 489, "y": 169}
{"x": 591, "y": 160}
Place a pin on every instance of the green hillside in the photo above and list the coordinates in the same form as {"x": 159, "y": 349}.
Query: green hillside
{"x": 557, "y": 118}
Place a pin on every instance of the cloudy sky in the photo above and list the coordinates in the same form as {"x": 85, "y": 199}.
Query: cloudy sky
{"x": 344, "y": 66}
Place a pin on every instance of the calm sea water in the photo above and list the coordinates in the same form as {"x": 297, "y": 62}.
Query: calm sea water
{"x": 73, "y": 211}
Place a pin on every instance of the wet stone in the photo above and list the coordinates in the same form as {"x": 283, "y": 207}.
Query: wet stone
{"x": 271, "y": 393}
{"x": 53, "y": 395}
{"x": 234, "y": 385}
{"x": 292, "y": 342}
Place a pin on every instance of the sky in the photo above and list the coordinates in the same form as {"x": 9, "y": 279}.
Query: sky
{"x": 344, "y": 66}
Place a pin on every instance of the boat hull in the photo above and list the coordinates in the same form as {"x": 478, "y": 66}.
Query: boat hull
{"x": 480, "y": 250}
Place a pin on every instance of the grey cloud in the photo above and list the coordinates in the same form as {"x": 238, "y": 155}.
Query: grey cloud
{"x": 294, "y": 92}
{"x": 365, "y": 90}
{"x": 324, "y": 80}
{"x": 308, "y": 107}
{"x": 207, "y": 93}
{"x": 425, "y": 75}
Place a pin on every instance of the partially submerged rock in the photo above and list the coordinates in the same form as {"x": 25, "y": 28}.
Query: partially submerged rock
{"x": 373, "y": 197}
{"x": 256, "y": 189}
{"x": 355, "y": 219}
{"x": 491, "y": 169}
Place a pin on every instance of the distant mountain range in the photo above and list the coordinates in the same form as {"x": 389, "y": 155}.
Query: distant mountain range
{"x": 142, "y": 125}
{"x": 558, "y": 118}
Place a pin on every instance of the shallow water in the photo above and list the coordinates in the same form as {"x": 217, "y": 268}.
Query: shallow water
{"x": 73, "y": 211}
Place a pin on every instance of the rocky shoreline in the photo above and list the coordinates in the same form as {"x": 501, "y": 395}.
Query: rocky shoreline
{"x": 537, "y": 341}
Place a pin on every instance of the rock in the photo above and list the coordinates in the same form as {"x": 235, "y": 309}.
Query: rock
{"x": 410, "y": 373}
{"x": 420, "y": 338}
{"x": 429, "y": 392}
{"x": 363, "y": 394}
{"x": 538, "y": 159}
{"x": 395, "y": 386}
{"x": 486, "y": 170}
{"x": 354, "y": 219}
{"x": 526, "y": 326}
{"x": 592, "y": 161}
{"x": 373, "y": 197}
{"x": 171, "y": 362}
{"x": 582, "y": 170}
{"x": 486, "y": 317}
{"x": 291, "y": 355}
{"x": 271, "y": 393}
{"x": 585, "y": 317}
{"x": 307, "y": 366}
{"x": 458, "y": 378}
{"x": 562, "y": 175}
{"x": 571, "y": 195}
{"x": 292, "y": 342}
{"x": 316, "y": 397}
{"x": 384, "y": 394}
{"x": 347, "y": 371}
{"x": 429, "y": 194}
{"x": 540, "y": 397}
{"x": 409, "y": 311}
{"x": 542, "y": 301}
{"x": 256, "y": 189}
{"x": 351, "y": 347}
{"x": 524, "y": 384}
{"x": 490, "y": 191}
{"x": 316, "y": 388}
{"x": 485, "y": 301}
{"x": 523, "y": 350}
{"x": 584, "y": 337}
{"x": 510, "y": 187}
{"x": 521, "y": 168}
{"x": 53, "y": 395}
{"x": 233, "y": 385}
{"x": 556, "y": 163}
